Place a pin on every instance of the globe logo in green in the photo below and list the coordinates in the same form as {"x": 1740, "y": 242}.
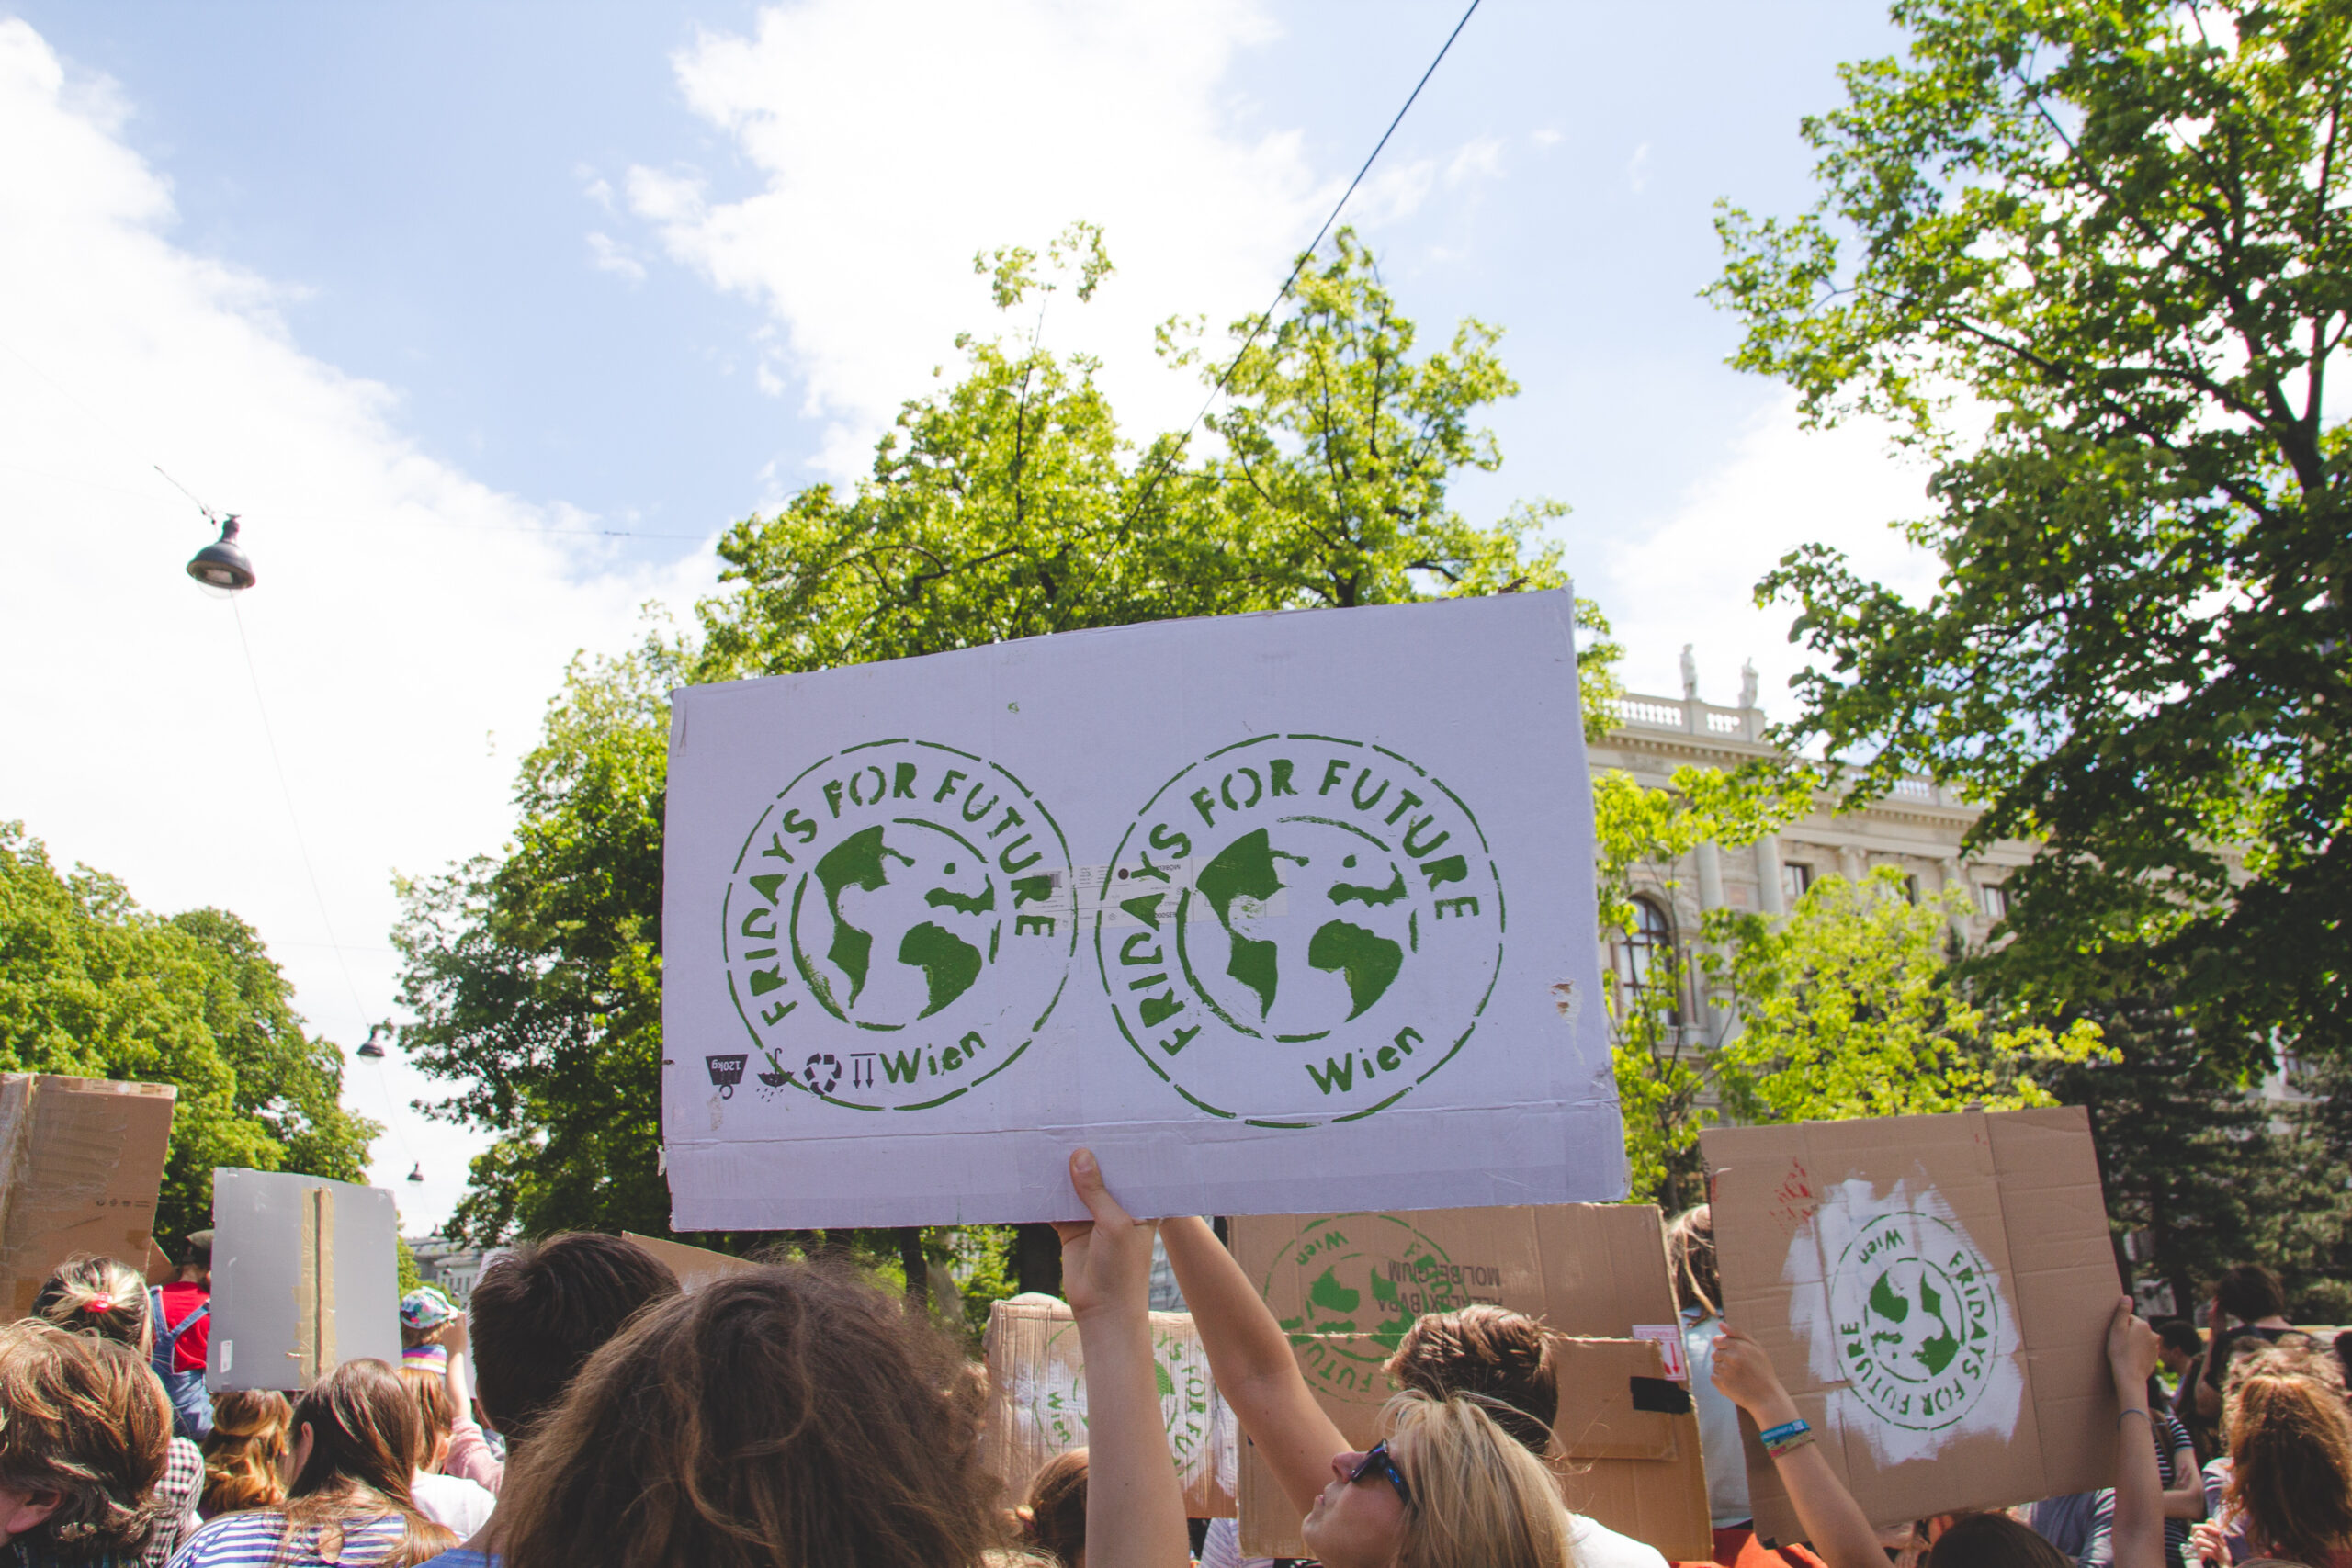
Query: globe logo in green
{"x": 1351, "y": 1285}
{"x": 897, "y": 927}
{"x": 1913, "y": 1306}
{"x": 1299, "y": 929}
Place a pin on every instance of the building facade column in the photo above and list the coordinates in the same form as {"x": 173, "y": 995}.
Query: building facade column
{"x": 1767, "y": 875}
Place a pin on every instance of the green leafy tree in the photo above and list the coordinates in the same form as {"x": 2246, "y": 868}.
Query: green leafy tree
{"x": 1640, "y": 835}
{"x": 2119, "y": 230}
{"x": 1007, "y": 503}
{"x": 1847, "y": 1007}
{"x": 92, "y": 985}
{"x": 2195, "y": 1164}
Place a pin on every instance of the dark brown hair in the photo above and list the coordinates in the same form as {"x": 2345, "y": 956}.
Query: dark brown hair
{"x": 795, "y": 1413}
{"x": 1054, "y": 1519}
{"x": 2291, "y": 1455}
{"x": 104, "y": 1296}
{"x": 84, "y": 1419}
{"x": 249, "y": 1437}
{"x": 1690, "y": 1255}
{"x": 1994, "y": 1541}
{"x": 2250, "y": 1292}
{"x": 539, "y": 1312}
{"x": 363, "y": 1452}
{"x": 1499, "y": 1355}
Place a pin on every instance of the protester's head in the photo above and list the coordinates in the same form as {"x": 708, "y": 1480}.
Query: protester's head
{"x": 2250, "y": 1292}
{"x": 1489, "y": 1351}
{"x": 243, "y": 1451}
{"x": 794, "y": 1414}
{"x": 1472, "y": 1495}
{"x": 1053, "y": 1521}
{"x": 2291, "y": 1454}
{"x": 436, "y": 1412}
{"x": 539, "y": 1311}
{"x": 1690, "y": 1253}
{"x": 97, "y": 1295}
{"x": 426, "y": 1313}
{"x": 2178, "y": 1344}
{"x": 1994, "y": 1541}
{"x": 196, "y": 1259}
{"x": 85, "y": 1430}
{"x": 356, "y": 1435}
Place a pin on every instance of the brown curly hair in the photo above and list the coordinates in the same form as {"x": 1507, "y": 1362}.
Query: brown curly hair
{"x": 2291, "y": 1454}
{"x": 241, "y": 1454}
{"x": 795, "y": 1413}
{"x": 1498, "y": 1357}
{"x": 83, "y": 1417}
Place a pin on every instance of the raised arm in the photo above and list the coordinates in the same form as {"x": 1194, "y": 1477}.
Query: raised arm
{"x": 1250, "y": 1356}
{"x": 2131, "y": 1348}
{"x": 1840, "y": 1533}
{"x": 1135, "y": 1506}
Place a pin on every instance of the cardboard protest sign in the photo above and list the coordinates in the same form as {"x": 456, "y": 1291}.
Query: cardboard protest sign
{"x": 694, "y": 1266}
{"x": 1274, "y": 911}
{"x": 1037, "y": 1402}
{"x": 305, "y": 1277}
{"x": 1347, "y": 1286}
{"x": 1934, "y": 1292}
{"x": 81, "y": 1162}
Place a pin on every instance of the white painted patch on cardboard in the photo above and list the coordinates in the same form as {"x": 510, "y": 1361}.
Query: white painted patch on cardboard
{"x": 1049, "y": 1405}
{"x": 1905, "y": 1321}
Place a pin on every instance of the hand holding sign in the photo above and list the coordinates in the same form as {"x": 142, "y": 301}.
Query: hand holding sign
{"x": 1106, "y": 1260}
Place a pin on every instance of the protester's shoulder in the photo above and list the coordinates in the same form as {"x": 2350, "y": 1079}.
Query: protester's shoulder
{"x": 232, "y": 1538}
{"x": 463, "y": 1557}
{"x": 1597, "y": 1546}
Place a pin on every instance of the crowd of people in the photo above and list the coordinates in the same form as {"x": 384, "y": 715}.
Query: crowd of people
{"x": 585, "y": 1411}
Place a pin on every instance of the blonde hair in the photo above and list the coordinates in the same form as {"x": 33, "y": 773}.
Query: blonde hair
{"x": 104, "y": 1296}
{"x": 1480, "y": 1498}
{"x": 249, "y": 1436}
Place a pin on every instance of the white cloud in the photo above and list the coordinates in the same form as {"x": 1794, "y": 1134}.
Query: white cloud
{"x": 1004, "y": 125}
{"x": 1546, "y": 137}
{"x": 404, "y": 612}
{"x": 597, "y": 189}
{"x": 1637, "y": 168}
{"x": 1691, "y": 577}
{"x": 607, "y": 254}
{"x": 1478, "y": 159}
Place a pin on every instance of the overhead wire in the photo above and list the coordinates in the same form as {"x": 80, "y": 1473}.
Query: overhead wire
{"x": 260, "y": 705}
{"x": 1264, "y": 319}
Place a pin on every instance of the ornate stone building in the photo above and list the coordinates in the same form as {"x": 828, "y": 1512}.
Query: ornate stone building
{"x": 1917, "y": 828}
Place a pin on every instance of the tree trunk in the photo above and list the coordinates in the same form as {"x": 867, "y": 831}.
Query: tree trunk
{"x": 918, "y": 1269}
{"x": 1037, "y": 1260}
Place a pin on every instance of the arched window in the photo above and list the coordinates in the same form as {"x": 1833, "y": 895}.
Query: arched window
{"x": 1644, "y": 959}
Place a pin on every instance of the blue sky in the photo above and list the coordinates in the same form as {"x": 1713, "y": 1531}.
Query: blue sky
{"x": 459, "y": 285}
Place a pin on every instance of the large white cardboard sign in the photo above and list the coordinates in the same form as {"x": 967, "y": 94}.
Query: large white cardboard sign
{"x": 1277, "y": 913}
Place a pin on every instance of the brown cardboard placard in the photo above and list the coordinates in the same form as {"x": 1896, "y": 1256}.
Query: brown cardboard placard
{"x": 81, "y": 1163}
{"x": 1347, "y": 1286}
{"x": 694, "y": 1266}
{"x": 1037, "y": 1402}
{"x": 1934, "y": 1291}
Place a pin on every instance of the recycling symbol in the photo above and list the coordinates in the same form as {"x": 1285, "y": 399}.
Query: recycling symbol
{"x": 832, "y": 1071}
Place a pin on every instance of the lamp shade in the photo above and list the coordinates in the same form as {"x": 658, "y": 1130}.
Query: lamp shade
{"x": 222, "y": 564}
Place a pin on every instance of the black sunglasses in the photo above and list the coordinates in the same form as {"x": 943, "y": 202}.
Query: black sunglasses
{"x": 1378, "y": 1459}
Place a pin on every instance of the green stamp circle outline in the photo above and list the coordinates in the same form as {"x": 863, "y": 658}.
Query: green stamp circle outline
{"x": 1992, "y": 1352}
{"x": 727, "y": 924}
{"x": 1303, "y": 1335}
{"x": 1452, "y": 1050}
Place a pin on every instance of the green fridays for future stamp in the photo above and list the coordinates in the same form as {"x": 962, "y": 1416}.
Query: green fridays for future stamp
{"x": 1298, "y": 929}
{"x": 896, "y": 928}
{"x": 1916, "y": 1320}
